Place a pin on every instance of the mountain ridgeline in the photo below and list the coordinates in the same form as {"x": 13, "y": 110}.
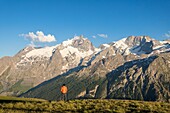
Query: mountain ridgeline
{"x": 136, "y": 67}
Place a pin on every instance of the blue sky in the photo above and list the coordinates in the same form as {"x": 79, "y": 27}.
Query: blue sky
{"x": 65, "y": 18}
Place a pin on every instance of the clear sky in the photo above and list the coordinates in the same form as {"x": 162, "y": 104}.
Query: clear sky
{"x": 101, "y": 21}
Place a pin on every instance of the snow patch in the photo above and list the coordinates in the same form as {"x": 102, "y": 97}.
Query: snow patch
{"x": 42, "y": 52}
{"x": 106, "y": 45}
{"x": 97, "y": 50}
{"x": 103, "y": 56}
{"x": 72, "y": 50}
{"x": 121, "y": 44}
{"x": 68, "y": 42}
{"x": 158, "y": 47}
{"x": 165, "y": 42}
{"x": 38, "y": 54}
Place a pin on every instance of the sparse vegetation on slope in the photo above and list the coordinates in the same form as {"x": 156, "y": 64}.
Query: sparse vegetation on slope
{"x": 7, "y": 99}
{"x": 90, "y": 105}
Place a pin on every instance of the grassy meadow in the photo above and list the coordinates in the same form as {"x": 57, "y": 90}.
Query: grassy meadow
{"x": 30, "y": 105}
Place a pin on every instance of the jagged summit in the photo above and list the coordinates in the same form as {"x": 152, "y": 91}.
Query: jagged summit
{"x": 137, "y": 45}
{"x": 79, "y": 37}
{"x": 82, "y": 47}
{"x": 71, "y": 41}
{"x": 82, "y": 43}
{"x": 77, "y": 45}
{"x": 137, "y": 40}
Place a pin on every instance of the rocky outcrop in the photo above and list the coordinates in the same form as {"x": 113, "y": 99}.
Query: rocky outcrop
{"x": 147, "y": 47}
{"x": 137, "y": 40}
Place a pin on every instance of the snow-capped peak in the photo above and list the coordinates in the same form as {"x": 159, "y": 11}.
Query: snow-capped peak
{"x": 79, "y": 37}
{"x": 78, "y": 46}
{"x": 121, "y": 44}
{"x": 70, "y": 41}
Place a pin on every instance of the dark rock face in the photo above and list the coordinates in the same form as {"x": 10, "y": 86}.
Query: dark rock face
{"x": 141, "y": 80}
{"x": 137, "y": 40}
{"x": 147, "y": 47}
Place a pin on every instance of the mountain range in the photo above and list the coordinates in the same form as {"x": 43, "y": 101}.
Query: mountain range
{"x": 135, "y": 67}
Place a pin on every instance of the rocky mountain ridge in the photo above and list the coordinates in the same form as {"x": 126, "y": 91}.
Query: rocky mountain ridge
{"x": 94, "y": 70}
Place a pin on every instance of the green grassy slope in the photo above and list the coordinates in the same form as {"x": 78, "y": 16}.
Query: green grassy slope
{"x": 10, "y": 99}
{"x": 22, "y": 105}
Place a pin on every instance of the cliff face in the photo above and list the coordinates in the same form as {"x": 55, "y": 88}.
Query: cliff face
{"x": 146, "y": 79}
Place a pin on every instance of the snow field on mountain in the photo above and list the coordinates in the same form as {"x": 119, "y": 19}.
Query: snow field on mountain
{"x": 71, "y": 50}
{"x": 42, "y": 52}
